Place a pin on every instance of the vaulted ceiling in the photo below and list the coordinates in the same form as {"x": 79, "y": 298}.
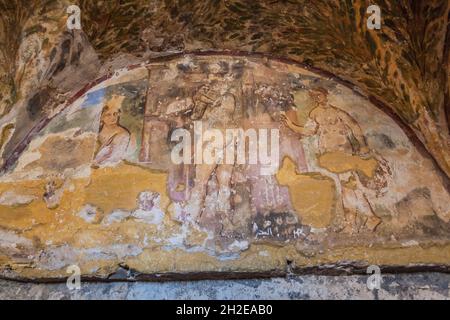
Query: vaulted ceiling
{"x": 403, "y": 67}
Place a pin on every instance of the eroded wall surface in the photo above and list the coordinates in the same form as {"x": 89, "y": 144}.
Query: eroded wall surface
{"x": 98, "y": 186}
{"x": 393, "y": 287}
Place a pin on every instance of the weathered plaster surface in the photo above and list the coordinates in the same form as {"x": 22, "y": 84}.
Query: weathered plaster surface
{"x": 96, "y": 186}
{"x": 432, "y": 286}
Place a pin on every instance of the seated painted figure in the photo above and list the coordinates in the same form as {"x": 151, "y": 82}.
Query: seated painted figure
{"x": 113, "y": 139}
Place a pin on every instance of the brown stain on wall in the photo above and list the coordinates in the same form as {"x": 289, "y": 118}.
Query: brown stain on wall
{"x": 162, "y": 262}
{"x": 118, "y": 187}
{"x": 107, "y": 189}
{"x": 311, "y": 195}
{"x": 58, "y": 153}
{"x": 339, "y": 162}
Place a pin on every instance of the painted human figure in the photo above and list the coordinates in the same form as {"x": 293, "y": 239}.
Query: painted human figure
{"x": 215, "y": 105}
{"x": 267, "y": 196}
{"x": 337, "y": 131}
{"x": 113, "y": 139}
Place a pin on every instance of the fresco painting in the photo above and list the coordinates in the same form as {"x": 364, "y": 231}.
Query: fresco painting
{"x": 98, "y": 186}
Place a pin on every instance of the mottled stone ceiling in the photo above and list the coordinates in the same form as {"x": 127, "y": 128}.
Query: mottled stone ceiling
{"x": 404, "y": 65}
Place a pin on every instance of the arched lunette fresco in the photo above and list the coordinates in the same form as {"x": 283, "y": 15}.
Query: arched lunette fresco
{"x": 97, "y": 186}
{"x": 11, "y": 157}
